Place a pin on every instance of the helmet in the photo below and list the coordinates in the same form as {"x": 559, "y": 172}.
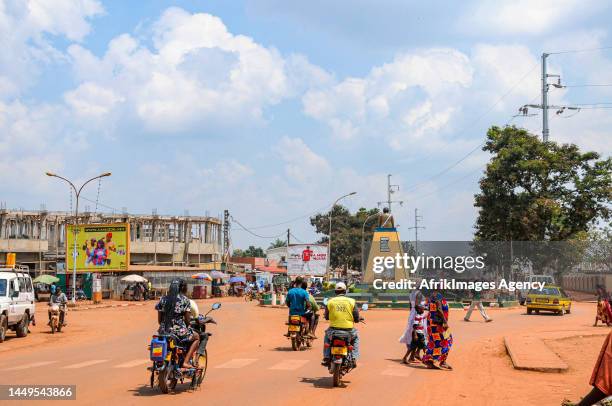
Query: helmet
{"x": 340, "y": 286}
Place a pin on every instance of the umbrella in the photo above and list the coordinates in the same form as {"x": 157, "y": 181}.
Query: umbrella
{"x": 133, "y": 278}
{"x": 46, "y": 279}
{"x": 219, "y": 275}
{"x": 236, "y": 279}
{"x": 202, "y": 275}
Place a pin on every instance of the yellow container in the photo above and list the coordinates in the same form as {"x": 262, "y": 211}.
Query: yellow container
{"x": 11, "y": 259}
{"x": 97, "y": 297}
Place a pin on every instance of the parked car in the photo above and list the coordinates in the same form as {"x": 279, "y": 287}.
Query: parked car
{"x": 17, "y": 306}
{"x": 550, "y": 298}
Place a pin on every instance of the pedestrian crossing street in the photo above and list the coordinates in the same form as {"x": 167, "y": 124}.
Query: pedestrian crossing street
{"x": 236, "y": 363}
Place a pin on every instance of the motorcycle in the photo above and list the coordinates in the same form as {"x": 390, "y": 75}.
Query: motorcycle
{"x": 56, "y": 322}
{"x": 342, "y": 360}
{"x": 168, "y": 354}
{"x": 252, "y": 295}
{"x": 298, "y": 332}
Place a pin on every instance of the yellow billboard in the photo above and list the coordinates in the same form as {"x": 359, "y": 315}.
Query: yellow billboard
{"x": 100, "y": 247}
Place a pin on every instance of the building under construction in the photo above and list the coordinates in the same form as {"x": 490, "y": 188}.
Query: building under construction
{"x": 38, "y": 238}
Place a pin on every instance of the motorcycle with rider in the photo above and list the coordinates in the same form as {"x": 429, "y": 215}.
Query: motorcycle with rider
{"x": 341, "y": 343}
{"x": 57, "y": 310}
{"x": 178, "y": 350}
{"x": 300, "y": 313}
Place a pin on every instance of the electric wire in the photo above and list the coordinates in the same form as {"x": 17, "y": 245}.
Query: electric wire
{"x": 253, "y": 233}
{"x": 573, "y": 51}
{"x": 479, "y": 146}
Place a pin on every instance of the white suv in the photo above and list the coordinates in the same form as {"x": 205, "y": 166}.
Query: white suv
{"x": 16, "y": 302}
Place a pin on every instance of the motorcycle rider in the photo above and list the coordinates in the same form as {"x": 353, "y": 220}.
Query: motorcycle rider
{"x": 58, "y": 298}
{"x": 313, "y": 315}
{"x": 174, "y": 316}
{"x": 342, "y": 314}
{"x": 297, "y": 301}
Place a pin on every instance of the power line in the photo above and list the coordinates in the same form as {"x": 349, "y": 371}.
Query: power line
{"x": 591, "y": 104}
{"x": 590, "y": 85}
{"x": 447, "y": 169}
{"x": 255, "y": 234}
{"x": 454, "y": 182}
{"x": 479, "y": 146}
{"x": 573, "y": 51}
{"x": 291, "y": 220}
{"x": 97, "y": 202}
{"x": 297, "y": 239}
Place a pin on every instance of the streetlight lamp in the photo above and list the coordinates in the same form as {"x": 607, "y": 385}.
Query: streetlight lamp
{"x": 76, "y": 224}
{"x": 362, "y": 241}
{"x": 330, "y": 229}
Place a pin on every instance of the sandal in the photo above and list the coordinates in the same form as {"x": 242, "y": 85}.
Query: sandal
{"x": 445, "y": 366}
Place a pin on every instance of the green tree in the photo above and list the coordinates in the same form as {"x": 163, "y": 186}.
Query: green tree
{"x": 598, "y": 249}
{"x": 278, "y": 243}
{"x": 346, "y": 234}
{"x": 252, "y": 251}
{"x": 536, "y": 191}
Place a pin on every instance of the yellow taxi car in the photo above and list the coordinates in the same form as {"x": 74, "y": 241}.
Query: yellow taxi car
{"x": 551, "y": 298}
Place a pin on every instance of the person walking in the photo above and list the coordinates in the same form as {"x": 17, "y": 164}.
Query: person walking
{"x": 477, "y": 302}
{"x": 439, "y": 337}
{"x": 601, "y": 378}
{"x": 604, "y": 310}
{"x": 416, "y": 298}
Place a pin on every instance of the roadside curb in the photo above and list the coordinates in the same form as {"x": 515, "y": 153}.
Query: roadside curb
{"x": 539, "y": 358}
{"x": 93, "y": 307}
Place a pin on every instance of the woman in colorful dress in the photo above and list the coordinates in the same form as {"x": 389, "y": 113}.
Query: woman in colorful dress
{"x": 174, "y": 316}
{"x": 601, "y": 378}
{"x": 604, "y": 310}
{"x": 439, "y": 338}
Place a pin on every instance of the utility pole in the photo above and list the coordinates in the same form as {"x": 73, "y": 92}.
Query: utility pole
{"x": 524, "y": 110}
{"x": 390, "y": 190}
{"x": 288, "y": 235}
{"x": 226, "y": 237}
{"x": 545, "y": 130}
{"x": 416, "y": 227}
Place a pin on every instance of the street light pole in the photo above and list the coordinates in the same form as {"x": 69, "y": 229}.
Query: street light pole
{"x": 362, "y": 242}
{"x": 330, "y": 229}
{"x": 76, "y": 224}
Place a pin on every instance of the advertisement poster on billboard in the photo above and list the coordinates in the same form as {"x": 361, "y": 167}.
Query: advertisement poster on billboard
{"x": 100, "y": 247}
{"x": 307, "y": 259}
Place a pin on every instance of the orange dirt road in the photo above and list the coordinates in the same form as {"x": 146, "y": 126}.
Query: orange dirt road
{"x": 104, "y": 353}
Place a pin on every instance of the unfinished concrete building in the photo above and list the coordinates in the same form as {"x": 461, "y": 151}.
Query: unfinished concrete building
{"x": 39, "y": 237}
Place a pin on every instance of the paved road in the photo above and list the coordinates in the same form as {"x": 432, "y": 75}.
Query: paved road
{"x": 104, "y": 352}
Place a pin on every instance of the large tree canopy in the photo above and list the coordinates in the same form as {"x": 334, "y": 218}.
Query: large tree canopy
{"x": 346, "y": 234}
{"x": 536, "y": 191}
{"x": 252, "y": 251}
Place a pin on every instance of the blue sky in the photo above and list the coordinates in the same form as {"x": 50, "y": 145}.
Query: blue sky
{"x": 273, "y": 109}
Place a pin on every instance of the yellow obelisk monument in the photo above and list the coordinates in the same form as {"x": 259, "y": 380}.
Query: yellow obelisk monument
{"x": 385, "y": 242}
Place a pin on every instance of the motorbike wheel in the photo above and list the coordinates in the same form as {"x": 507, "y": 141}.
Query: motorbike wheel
{"x": 198, "y": 377}
{"x": 173, "y": 383}
{"x": 295, "y": 343}
{"x": 59, "y": 327}
{"x": 52, "y": 327}
{"x": 336, "y": 374}
{"x": 163, "y": 379}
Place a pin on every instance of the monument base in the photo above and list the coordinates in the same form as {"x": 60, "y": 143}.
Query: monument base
{"x": 385, "y": 243}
